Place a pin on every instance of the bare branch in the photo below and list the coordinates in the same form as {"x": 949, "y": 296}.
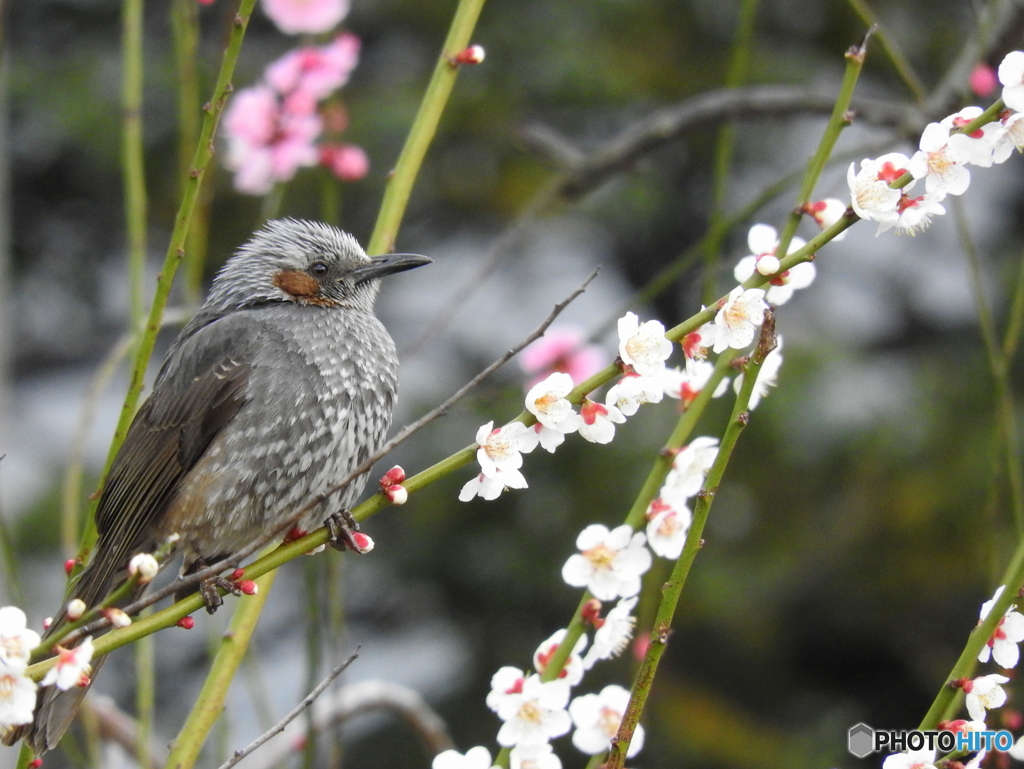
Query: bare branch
{"x": 292, "y": 714}
{"x": 586, "y": 172}
{"x": 357, "y": 699}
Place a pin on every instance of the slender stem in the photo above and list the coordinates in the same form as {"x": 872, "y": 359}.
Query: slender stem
{"x": 186, "y": 746}
{"x": 133, "y": 155}
{"x": 176, "y": 248}
{"x": 399, "y": 187}
{"x": 145, "y": 698}
{"x": 1006, "y": 409}
{"x": 725, "y": 148}
{"x": 673, "y": 588}
{"x": 839, "y": 119}
{"x": 892, "y": 52}
{"x": 185, "y": 41}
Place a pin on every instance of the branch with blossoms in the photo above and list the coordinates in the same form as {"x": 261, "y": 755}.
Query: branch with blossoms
{"x": 270, "y": 131}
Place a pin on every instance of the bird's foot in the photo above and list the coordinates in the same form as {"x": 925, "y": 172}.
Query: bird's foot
{"x": 345, "y": 534}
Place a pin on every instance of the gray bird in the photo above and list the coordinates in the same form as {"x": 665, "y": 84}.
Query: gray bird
{"x": 280, "y": 386}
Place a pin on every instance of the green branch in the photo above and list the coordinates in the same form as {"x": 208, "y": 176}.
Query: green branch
{"x": 399, "y": 187}
{"x": 673, "y": 588}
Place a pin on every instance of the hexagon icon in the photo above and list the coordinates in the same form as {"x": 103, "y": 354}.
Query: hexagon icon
{"x": 861, "y": 740}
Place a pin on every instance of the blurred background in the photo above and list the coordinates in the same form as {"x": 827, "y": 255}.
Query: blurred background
{"x": 865, "y": 515}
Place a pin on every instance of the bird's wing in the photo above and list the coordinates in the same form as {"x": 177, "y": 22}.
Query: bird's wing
{"x": 199, "y": 391}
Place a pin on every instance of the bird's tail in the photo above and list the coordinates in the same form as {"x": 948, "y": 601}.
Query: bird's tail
{"x": 56, "y": 708}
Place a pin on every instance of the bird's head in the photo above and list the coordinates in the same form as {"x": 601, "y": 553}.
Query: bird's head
{"x": 308, "y": 263}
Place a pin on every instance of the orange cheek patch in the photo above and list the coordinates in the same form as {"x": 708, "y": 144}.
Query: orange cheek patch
{"x": 298, "y": 284}
{"x": 303, "y": 287}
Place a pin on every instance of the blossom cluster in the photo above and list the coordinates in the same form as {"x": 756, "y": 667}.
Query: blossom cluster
{"x": 17, "y": 690}
{"x": 982, "y": 693}
{"x": 283, "y": 123}
{"x": 643, "y": 352}
{"x": 942, "y": 161}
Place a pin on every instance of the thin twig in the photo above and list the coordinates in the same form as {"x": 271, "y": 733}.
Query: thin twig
{"x": 235, "y": 559}
{"x": 358, "y": 699}
{"x": 622, "y": 151}
{"x": 291, "y": 715}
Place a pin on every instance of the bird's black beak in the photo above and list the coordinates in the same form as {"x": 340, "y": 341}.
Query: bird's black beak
{"x": 388, "y": 264}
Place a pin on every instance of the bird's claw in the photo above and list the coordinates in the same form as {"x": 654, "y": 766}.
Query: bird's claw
{"x": 343, "y": 527}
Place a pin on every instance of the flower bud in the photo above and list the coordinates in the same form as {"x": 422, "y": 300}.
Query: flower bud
{"x": 144, "y": 567}
{"x": 76, "y": 608}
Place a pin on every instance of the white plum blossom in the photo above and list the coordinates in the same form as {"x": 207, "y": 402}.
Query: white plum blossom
{"x": 738, "y": 318}
{"x": 1002, "y": 646}
{"x": 17, "y": 696}
{"x": 870, "y": 194}
{"x": 1010, "y": 138}
{"x": 546, "y": 400}
{"x": 599, "y": 421}
{"x": 572, "y": 671}
{"x": 941, "y": 161}
{"x": 685, "y": 384}
{"x": 915, "y": 214}
{"x": 826, "y": 213}
{"x": 609, "y": 563}
{"x": 1011, "y": 75}
{"x": 914, "y": 759}
{"x": 695, "y": 343}
{"x": 534, "y": 715}
{"x": 597, "y": 718}
{"x": 632, "y": 391}
{"x": 983, "y": 139}
{"x": 501, "y": 449}
{"x": 507, "y": 681}
{"x": 72, "y": 666}
{"x": 643, "y": 345}
{"x": 614, "y": 634}
{"x": 984, "y": 693}
{"x": 667, "y": 526}
{"x": 766, "y": 377}
{"x": 16, "y": 640}
{"x": 763, "y": 240}
{"x": 489, "y": 487}
{"x": 689, "y": 468}
{"x": 541, "y": 756}
{"x": 475, "y": 758}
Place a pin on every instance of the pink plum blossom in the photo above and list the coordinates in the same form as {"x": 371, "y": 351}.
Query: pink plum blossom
{"x": 346, "y": 161}
{"x": 315, "y": 72}
{"x": 562, "y": 349}
{"x": 295, "y": 17}
{"x": 982, "y": 80}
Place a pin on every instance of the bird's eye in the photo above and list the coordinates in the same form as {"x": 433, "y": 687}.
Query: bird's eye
{"x": 319, "y": 269}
